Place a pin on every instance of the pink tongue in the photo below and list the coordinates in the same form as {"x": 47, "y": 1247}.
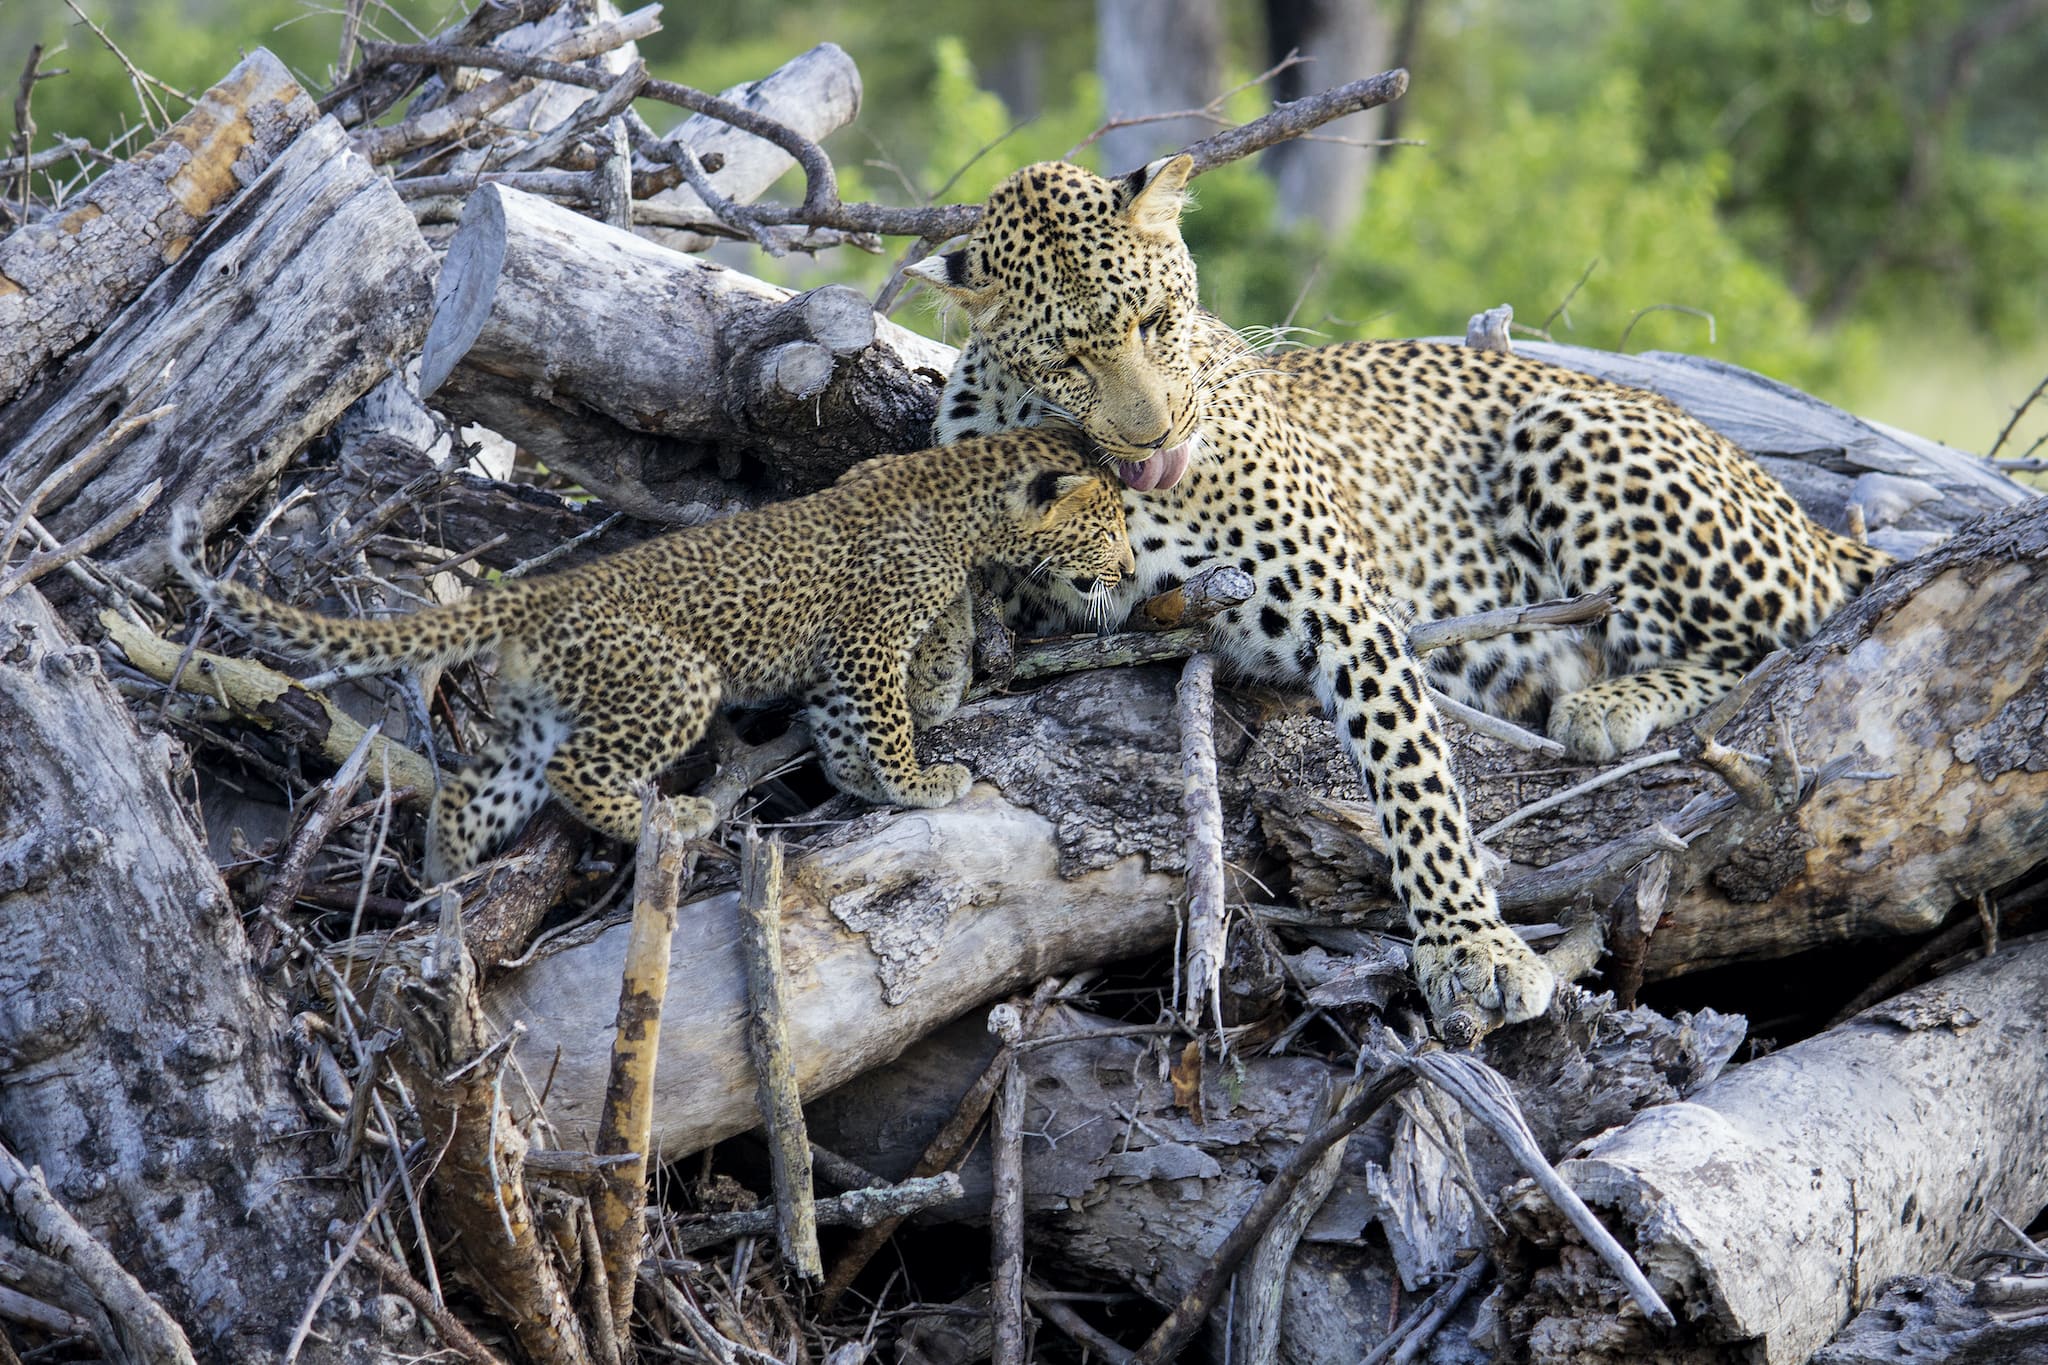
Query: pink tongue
{"x": 1163, "y": 470}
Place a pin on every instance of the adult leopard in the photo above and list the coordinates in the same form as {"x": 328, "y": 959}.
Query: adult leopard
{"x": 1364, "y": 483}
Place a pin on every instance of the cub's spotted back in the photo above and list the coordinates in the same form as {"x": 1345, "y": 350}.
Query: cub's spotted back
{"x": 854, "y": 599}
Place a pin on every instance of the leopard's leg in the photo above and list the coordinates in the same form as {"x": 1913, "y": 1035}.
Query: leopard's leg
{"x": 1710, "y": 563}
{"x": 861, "y": 720}
{"x": 626, "y": 734}
{"x": 942, "y": 664}
{"x": 1351, "y": 649}
{"x": 477, "y": 809}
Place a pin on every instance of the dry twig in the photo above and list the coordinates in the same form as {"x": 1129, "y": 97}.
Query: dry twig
{"x": 1006, "y": 1198}
{"x": 782, "y": 1114}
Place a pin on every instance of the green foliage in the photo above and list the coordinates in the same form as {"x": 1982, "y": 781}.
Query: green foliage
{"x": 1515, "y": 214}
{"x": 1876, "y": 152}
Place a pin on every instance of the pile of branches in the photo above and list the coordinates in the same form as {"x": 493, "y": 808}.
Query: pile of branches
{"x": 1204, "y": 1074}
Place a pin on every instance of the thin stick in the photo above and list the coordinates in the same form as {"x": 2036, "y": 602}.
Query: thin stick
{"x": 1055, "y": 1310}
{"x": 1202, "y": 808}
{"x": 1558, "y": 614}
{"x": 1413, "y": 1335}
{"x": 446, "y": 1325}
{"x": 102, "y": 531}
{"x": 942, "y": 1151}
{"x": 626, "y": 1123}
{"x": 861, "y": 1208}
{"x": 1171, "y": 1337}
{"x": 327, "y": 816}
{"x": 2014, "y": 420}
{"x": 1006, "y": 1199}
{"x": 1493, "y": 727}
{"x": 1591, "y": 784}
{"x": 383, "y": 144}
{"x": 782, "y": 1114}
{"x": 48, "y": 1225}
{"x": 1479, "y": 1089}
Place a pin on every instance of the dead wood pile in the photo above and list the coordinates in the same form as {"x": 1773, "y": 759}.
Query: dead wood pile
{"x": 267, "y": 1096}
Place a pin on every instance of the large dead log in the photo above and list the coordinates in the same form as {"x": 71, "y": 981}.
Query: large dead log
{"x": 289, "y": 306}
{"x": 895, "y": 924}
{"x": 1768, "y": 1207}
{"x": 62, "y": 278}
{"x": 626, "y": 364}
{"x": 1087, "y": 785}
{"x": 143, "y": 1070}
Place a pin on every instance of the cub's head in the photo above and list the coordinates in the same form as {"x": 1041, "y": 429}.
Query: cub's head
{"x": 1070, "y": 526}
{"x": 1082, "y": 288}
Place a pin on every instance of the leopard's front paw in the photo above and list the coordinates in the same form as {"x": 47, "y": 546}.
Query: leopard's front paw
{"x": 941, "y": 784}
{"x": 1481, "y": 979}
{"x": 1598, "y": 724}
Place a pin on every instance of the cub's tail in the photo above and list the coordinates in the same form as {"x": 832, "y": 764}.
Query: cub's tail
{"x": 438, "y": 635}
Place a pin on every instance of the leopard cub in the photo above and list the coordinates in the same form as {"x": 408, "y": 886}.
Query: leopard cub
{"x": 854, "y": 599}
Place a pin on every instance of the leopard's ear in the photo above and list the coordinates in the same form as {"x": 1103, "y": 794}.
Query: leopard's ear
{"x": 1152, "y": 198}
{"x": 948, "y": 273}
{"x": 1060, "y": 497}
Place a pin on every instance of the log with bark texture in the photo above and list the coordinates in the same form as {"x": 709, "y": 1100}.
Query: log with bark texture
{"x": 1826, "y": 457}
{"x": 293, "y": 302}
{"x": 899, "y": 922}
{"x": 142, "y": 1069}
{"x": 1085, "y": 770}
{"x": 1122, "y": 1181}
{"x": 63, "y": 278}
{"x": 1938, "y": 676}
{"x": 620, "y": 361}
{"x": 1939, "y": 1320}
{"x": 816, "y": 93}
{"x": 1772, "y": 1203}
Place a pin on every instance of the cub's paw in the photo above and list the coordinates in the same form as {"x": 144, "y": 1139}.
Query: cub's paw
{"x": 1602, "y": 722}
{"x": 939, "y": 785}
{"x": 1481, "y": 979}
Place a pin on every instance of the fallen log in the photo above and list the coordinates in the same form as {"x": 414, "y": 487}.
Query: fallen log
{"x": 625, "y": 364}
{"x": 892, "y": 926}
{"x": 144, "y": 1071}
{"x": 1772, "y": 1203}
{"x": 61, "y": 279}
{"x": 289, "y": 306}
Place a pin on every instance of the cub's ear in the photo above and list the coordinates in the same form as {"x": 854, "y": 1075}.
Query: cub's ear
{"x": 946, "y": 272}
{"x": 1152, "y": 198}
{"x": 1060, "y": 497}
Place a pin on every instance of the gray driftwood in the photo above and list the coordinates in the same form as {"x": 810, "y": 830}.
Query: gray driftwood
{"x": 1941, "y": 1320}
{"x": 626, "y": 364}
{"x": 1768, "y": 1207}
{"x": 61, "y": 279}
{"x": 280, "y": 314}
{"x": 140, "y": 1066}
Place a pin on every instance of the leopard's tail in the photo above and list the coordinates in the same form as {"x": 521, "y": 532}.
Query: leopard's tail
{"x": 437, "y": 635}
{"x": 1859, "y": 564}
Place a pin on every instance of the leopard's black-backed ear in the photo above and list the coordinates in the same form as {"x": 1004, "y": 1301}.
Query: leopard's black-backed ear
{"x": 1060, "y": 496}
{"x": 1151, "y": 198}
{"x": 949, "y": 272}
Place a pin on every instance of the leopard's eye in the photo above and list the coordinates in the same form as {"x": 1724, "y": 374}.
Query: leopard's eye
{"x": 1152, "y": 322}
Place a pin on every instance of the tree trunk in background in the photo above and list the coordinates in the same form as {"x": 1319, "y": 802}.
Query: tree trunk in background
{"x": 1321, "y": 180}
{"x": 1156, "y": 57}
